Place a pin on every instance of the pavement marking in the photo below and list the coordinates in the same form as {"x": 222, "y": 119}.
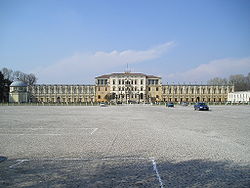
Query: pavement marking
{"x": 82, "y": 159}
{"x": 30, "y": 134}
{"x": 18, "y": 163}
{"x": 93, "y": 131}
{"x": 47, "y": 128}
{"x": 157, "y": 172}
{"x": 45, "y": 134}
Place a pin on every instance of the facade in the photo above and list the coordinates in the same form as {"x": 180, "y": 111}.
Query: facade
{"x": 239, "y": 97}
{"x": 123, "y": 87}
{"x": 18, "y": 92}
{"x": 128, "y": 87}
{"x": 196, "y": 93}
{"x": 62, "y": 93}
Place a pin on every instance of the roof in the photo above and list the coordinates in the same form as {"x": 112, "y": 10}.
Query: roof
{"x": 18, "y": 83}
{"x": 126, "y": 74}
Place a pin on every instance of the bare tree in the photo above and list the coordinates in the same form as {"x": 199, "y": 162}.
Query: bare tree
{"x": 217, "y": 81}
{"x": 240, "y": 82}
{"x": 18, "y": 75}
{"x": 7, "y": 73}
{"x": 11, "y": 75}
{"x": 31, "y": 79}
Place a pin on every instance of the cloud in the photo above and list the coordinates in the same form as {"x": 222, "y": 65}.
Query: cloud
{"x": 218, "y": 68}
{"x": 84, "y": 66}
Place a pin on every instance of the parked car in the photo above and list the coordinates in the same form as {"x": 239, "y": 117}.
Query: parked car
{"x": 170, "y": 104}
{"x": 201, "y": 106}
{"x": 103, "y": 104}
{"x": 119, "y": 102}
{"x": 184, "y": 104}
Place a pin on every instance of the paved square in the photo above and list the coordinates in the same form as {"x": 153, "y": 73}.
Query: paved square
{"x": 124, "y": 146}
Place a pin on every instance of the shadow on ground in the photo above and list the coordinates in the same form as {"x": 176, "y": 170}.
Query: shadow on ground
{"x": 122, "y": 173}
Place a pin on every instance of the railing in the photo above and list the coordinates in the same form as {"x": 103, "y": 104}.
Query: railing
{"x": 98, "y": 103}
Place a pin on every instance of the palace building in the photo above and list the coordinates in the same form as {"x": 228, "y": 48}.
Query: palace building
{"x": 126, "y": 87}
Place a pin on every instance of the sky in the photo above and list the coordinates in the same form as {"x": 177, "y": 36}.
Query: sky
{"x": 73, "y": 41}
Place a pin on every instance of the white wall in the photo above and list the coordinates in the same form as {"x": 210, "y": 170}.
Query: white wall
{"x": 241, "y": 96}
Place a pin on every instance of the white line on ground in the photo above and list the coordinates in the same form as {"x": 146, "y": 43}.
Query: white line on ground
{"x": 95, "y": 159}
{"x": 47, "y": 128}
{"x": 84, "y": 159}
{"x": 18, "y": 163}
{"x": 45, "y": 134}
{"x": 29, "y": 134}
{"x": 95, "y": 129}
{"x": 157, "y": 172}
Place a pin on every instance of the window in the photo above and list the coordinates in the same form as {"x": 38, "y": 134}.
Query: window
{"x": 106, "y": 89}
{"x": 141, "y": 88}
{"x": 148, "y": 88}
{"x": 141, "y": 82}
{"x": 114, "y": 88}
{"x": 119, "y": 82}
{"x": 157, "y": 88}
{"x": 141, "y": 96}
{"x": 99, "y": 96}
{"x": 114, "y": 81}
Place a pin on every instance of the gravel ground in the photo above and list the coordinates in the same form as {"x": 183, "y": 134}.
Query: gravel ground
{"x": 116, "y": 146}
